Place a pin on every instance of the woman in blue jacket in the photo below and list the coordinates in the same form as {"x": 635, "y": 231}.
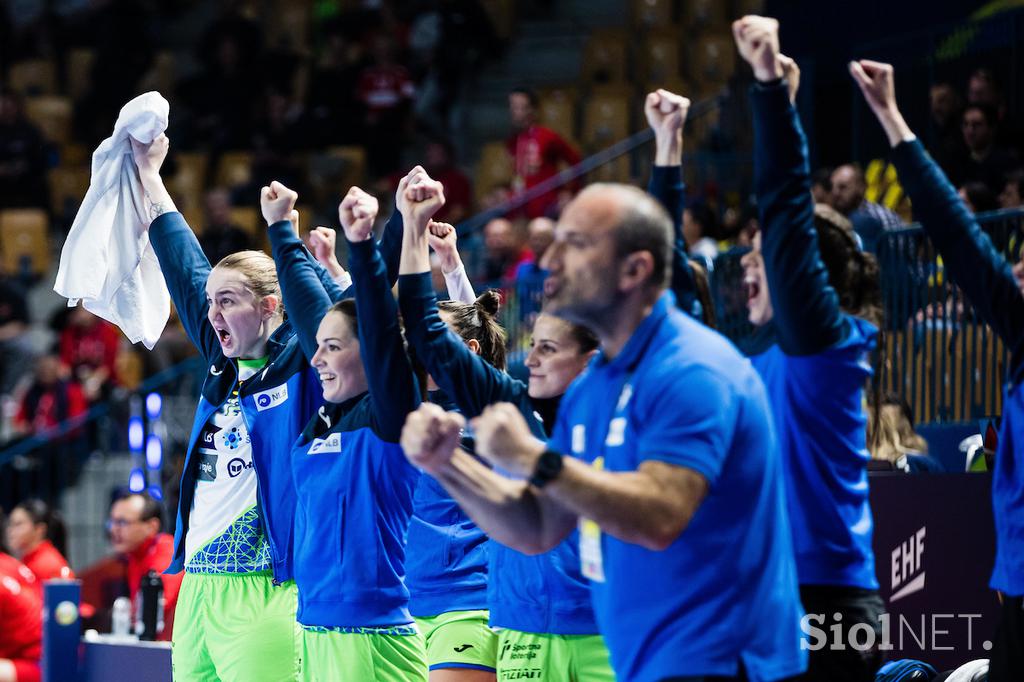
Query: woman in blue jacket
{"x": 541, "y": 603}
{"x": 233, "y": 536}
{"x": 354, "y": 485}
{"x": 988, "y": 281}
{"x": 816, "y": 297}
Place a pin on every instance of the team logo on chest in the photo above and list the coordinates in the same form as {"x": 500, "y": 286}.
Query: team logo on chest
{"x": 331, "y": 443}
{"x": 271, "y": 397}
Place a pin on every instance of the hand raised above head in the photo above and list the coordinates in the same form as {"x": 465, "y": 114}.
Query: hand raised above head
{"x": 757, "y": 39}
{"x": 666, "y": 111}
{"x": 357, "y": 212}
{"x": 277, "y": 202}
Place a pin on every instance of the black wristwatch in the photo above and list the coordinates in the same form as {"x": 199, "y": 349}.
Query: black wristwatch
{"x": 549, "y": 466}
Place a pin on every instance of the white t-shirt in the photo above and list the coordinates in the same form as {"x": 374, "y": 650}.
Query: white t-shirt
{"x": 224, "y": 530}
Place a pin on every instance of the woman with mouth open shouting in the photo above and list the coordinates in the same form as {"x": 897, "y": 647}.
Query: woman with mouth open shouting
{"x": 354, "y": 484}
{"x": 233, "y": 538}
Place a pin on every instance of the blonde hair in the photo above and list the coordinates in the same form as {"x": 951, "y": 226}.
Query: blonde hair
{"x": 259, "y": 271}
{"x": 894, "y": 433}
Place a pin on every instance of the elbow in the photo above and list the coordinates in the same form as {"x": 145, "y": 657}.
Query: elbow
{"x": 662, "y": 535}
{"x": 534, "y": 545}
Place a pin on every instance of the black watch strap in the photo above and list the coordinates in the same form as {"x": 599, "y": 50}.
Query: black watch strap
{"x": 549, "y": 466}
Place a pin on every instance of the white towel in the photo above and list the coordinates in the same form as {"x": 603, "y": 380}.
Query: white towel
{"x": 107, "y": 261}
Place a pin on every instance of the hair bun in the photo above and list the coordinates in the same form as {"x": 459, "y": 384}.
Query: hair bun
{"x": 489, "y": 302}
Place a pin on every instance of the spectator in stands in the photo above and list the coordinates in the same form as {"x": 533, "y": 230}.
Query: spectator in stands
{"x": 51, "y": 398}
{"x": 895, "y": 440}
{"x": 821, "y": 185}
{"x": 947, "y": 142}
{"x": 978, "y": 197}
{"x": 983, "y": 90}
{"x": 89, "y": 345}
{"x": 16, "y": 350}
{"x": 984, "y": 161}
{"x": 36, "y": 535}
{"x": 385, "y": 90}
{"x": 869, "y": 219}
{"x": 504, "y": 251}
{"x": 530, "y": 275}
{"x": 458, "y": 189}
{"x": 1013, "y": 189}
{"x": 21, "y": 629}
{"x": 537, "y": 153}
{"x": 334, "y": 116}
{"x": 699, "y": 226}
{"x": 22, "y": 156}
{"x": 221, "y": 236}
{"x": 135, "y": 534}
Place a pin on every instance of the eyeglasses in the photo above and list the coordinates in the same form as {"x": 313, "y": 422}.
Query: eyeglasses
{"x": 120, "y": 523}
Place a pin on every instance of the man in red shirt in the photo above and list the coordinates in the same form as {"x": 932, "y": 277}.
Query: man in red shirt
{"x": 135, "y": 535}
{"x": 21, "y": 629}
{"x": 536, "y": 151}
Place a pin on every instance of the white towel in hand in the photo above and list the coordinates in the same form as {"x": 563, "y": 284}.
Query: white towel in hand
{"x": 107, "y": 261}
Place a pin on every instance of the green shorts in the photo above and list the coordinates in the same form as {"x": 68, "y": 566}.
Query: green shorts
{"x": 235, "y": 628}
{"x": 332, "y": 656}
{"x": 559, "y": 658}
{"x": 460, "y": 639}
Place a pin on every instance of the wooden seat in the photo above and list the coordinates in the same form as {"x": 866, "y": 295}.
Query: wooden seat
{"x": 68, "y": 185}
{"x": 78, "y": 68}
{"x": 248, "y": 218}
{"x": 713, "y": 59}
{"x": 702, "y": 15}
{"x": 189, "y": 182}
{"x": 605, "y": 120}
{"x": 660, "y": 58}
{"x": 52, "y": 115}
{"x": 606, "y": 57}
{"x": 24, "y": 237}
{"x": 654, "y": 13}
{"x": 33, "y": 77}
{"x": 558, "y": 111}
{"x": 494, "y": 169}
{"x": 234, "y": 169}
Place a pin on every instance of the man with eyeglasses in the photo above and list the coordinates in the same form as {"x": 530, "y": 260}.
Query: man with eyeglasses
{"x": 134, "y": 529}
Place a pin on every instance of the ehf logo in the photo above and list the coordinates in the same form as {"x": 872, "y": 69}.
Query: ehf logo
{"x": 271, "y": 397}
{"x": 237, "y": 466}
{"x": 907, "y": 563}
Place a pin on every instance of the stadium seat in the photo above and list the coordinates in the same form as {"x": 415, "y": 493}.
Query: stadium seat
{"x": 616, "y": 170}
{"x": 659, "y": 58}
{"x": 52, "y": 115}
{"x": 654, "y": 13}
{"x": 713, "y": 59}
{"x": 494, "y": 169}
{"x": 605, "y": 119}
{"x": 162, "y": 75}
{"x": 78, "y": 69}
{"x": 189, "y": 183}
{"x": 558, "y": 111}
{"x": 353, "y": 164}
{"x": 23, "y": 238}
{"x": 705, "y": 14}
{"x": 503, "y": 16}
{"x": 249, "y": 219}
{"x": 606, "y": 57}
{"x": 68, "y": 185}
{"x": 234, "y": 169}
{"x": 75, "y": 154}
{"x": 33, "y": 77}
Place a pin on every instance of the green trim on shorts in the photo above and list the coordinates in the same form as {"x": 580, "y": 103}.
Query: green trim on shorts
{"x": 529, "y": 655}
{"x": 235, "y": 628}
{"x": 351, "y": 657}
{"x": 460, "y": 639}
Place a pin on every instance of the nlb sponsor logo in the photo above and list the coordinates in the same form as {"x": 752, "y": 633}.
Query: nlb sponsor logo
{"x": 271, "y": 397}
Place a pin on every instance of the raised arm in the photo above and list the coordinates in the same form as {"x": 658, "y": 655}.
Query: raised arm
{"x": 389, "y": 374}
{"x": 443, "y": 239}
{"x": 184, "y": 266}
{"x": 510, "y": 512}
{"x": 807, "y": 316}
{"x": 967, "y": 253}
{"x": 306, "y": 301}
{"x": 666, "y": 113}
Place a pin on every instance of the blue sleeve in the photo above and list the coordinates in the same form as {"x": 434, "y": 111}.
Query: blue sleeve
{"x": 687, "y": 419}
{"x": 390, "y": 251}
{"x": 967, "y": 253}
{"x": 393, "y": 388}
{"x": 305, "y": 299}
{"x": 185, "y": 269}
{"x": 468, "y": 380}
{"x": 666, "y": 185}
{"x": 807, "y": 316}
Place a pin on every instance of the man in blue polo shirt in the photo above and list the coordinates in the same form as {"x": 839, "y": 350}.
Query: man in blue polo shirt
{"x": 664, "y": 455}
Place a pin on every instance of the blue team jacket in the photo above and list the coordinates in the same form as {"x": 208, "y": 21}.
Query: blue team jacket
{"x": 355, "y": 485}
{"x": 987, "y": 280}
{"x": 276, "y": 403}
{"x": 544, "y": 593}
{"x": 816, "y": 370}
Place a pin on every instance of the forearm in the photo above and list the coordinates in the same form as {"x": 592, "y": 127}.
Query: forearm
{"x": 668, "y": 149}
{"x": 630, "y": 506}
{"x": 156, "y": 200}
{"x": 459, "y": 287}
{"x": 506, "y": 510}
{"x": 304, "y": 294}
{"x": 896, "y": 129}
{"x": 415, "y": 256}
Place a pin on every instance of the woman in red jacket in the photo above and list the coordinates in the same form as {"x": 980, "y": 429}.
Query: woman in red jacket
{"x": 35, "y": 534}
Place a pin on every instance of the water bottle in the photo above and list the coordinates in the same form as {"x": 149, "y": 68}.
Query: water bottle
{"x": 149, "y": 613}
{"x": 121, "y": 617}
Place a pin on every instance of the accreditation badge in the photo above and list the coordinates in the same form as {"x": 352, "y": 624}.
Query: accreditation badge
{"x": 591, "y": 558}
